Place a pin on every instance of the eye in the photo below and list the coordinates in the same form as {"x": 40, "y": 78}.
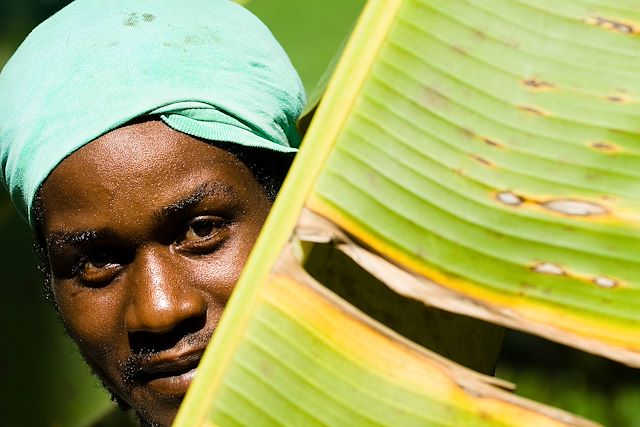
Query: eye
{"x": 200, "y": 229}
{"x": 98, "y": 269}
{"x": 204, "y": 233}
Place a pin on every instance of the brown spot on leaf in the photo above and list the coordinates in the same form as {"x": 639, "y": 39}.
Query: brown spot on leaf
{"x": 537, "y": 84}
{"x": 575, "y": 207}
{"x": 604, "y": 146}
{"x": 615, "y": 98}
{"x": 147, "y": 17}
{"x": 524, "y": 289}
{"x": 459, "y": 49}
{"x": 532, "y": 110}
{"x": 482, "y": 160}
{"x": 491, "y": 142}
{"x": 467, "y": 132}
{"x": 479, "y": 34}
{"x": 614, "y": 25}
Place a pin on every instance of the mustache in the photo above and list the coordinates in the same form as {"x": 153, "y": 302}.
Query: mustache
{"x": 134, "y": 367}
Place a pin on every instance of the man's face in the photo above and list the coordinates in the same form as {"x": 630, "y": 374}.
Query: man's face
{"x": 147, "y": 231}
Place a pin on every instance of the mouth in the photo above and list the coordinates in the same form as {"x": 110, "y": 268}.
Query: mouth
{"x": 171, "y": 375}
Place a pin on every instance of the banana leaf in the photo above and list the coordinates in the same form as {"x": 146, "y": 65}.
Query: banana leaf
{"x": 477, "y": 156}
{"x": 495, "y": 156}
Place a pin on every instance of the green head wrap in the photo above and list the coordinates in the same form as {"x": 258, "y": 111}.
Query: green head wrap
{"x": 209, "y": 68}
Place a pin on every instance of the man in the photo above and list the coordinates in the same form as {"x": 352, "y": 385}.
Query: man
{"x": 144, "y": 141}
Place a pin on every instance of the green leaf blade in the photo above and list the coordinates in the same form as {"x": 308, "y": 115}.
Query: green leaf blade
{"x": 447, "y": 167}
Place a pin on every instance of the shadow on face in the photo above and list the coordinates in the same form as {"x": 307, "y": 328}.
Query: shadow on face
{"x": 146, "y": 231}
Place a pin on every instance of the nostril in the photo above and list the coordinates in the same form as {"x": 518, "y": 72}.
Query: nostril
{"x": 143, "y": 342}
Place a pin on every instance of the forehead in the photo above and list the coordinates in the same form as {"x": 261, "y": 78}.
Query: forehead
{"x": 135, "y": 170}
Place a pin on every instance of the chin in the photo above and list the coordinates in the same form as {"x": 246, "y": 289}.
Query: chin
{"x": 152, "y": 409}
{"x": 155, "y": 410}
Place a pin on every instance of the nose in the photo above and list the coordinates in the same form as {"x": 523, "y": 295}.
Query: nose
{"x": 161, "y": 296}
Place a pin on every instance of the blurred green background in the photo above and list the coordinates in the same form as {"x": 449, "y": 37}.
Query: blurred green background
{"x": 45, "y": 383}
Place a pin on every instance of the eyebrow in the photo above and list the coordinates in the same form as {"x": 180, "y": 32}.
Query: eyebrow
{"x": 222, "y": 191}
{"x": 76, "y": 238}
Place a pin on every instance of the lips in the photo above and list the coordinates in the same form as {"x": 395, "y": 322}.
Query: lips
{"x": 171, "y": 374}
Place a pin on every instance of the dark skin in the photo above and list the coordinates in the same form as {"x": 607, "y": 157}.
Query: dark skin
{"x": 146, "y": 231}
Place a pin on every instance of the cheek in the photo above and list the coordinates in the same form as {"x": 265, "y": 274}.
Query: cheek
{"x": 220, "y": 271}
{"x": 90, "y": 315}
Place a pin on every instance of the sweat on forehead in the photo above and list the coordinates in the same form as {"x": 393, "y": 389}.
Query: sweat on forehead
{"x": 208, "y": 68}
